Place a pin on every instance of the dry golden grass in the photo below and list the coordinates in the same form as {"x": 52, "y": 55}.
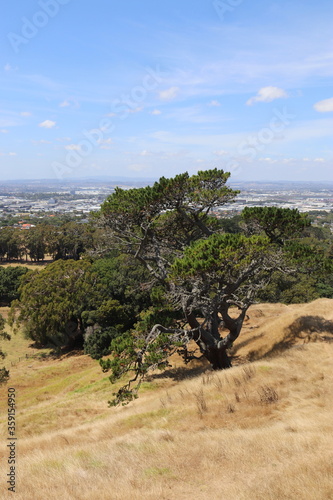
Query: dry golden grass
{"x": 261, "y": 430}
{"x": 30, "y": 265}
{"x": 274, "y": 327}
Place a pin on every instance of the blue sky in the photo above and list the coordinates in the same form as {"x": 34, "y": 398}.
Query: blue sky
{"x": 145, "y": 89}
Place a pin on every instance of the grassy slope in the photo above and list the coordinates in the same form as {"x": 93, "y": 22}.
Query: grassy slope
{"x": 259, "y": 430}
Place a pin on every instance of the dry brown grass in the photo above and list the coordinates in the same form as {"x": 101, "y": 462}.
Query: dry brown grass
{"x": 261, "y": 430}
{"x": 28, "y": 264}
{"x": 273, "y": 328}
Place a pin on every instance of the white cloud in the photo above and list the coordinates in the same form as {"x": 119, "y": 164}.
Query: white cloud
{"x": 105, "y": 143}
{"x": 64, "y": 104}
{"x": 137, "y": 167}
{"x": 169, "y": 94}
{"x": 73, "y": 147}
{"x": 42, "y": 141}
{"x": 156, "y": 112}
{"x": 268, "y": 160}
{"x": 221, "y": 152}
{"x": 3, "y": 131}
{"x": 8, "y": 154}
{"x": 267, "y": 94}
{"x": 47, "y": 124}
{"x": 214, "y": 104}
{"x": 135, "y": 110}
{"x": 324, "y": 106}
{"x": 25, "y": 113}
{"x": 8, "y": 67}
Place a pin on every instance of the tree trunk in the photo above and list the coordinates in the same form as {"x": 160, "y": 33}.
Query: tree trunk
{"x": 218, "y": 357}
{"x": 213, "y": 350}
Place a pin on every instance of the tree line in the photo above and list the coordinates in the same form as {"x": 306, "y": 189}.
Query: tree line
{"x": 68, "y": 240}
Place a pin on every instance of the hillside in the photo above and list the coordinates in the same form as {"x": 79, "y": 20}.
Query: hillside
{"x": 259, "y": 430}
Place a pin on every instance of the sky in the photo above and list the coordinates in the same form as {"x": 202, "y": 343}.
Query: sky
{"x": 149, "y": 89}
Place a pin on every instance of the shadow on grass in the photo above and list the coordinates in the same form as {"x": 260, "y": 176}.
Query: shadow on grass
{"x": 305, "y": 328}
{"x": 180, "y": 373}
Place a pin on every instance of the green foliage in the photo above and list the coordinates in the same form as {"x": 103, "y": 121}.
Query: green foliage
{"x": 11, "y": 244}
{"x": 70, "y": 240}
{"x": 157, "y": 222}
{"x": 53, "y": 300}
{"x": 10, "y": 280}
{"x": 231, "y": 224}
{"x": 278, "y": 224}
{"x": 98, "y": 343}
{"x": 4, "y": 374}
{"x": 289, "y": 289}
{"x": 221, "y": 255}
{"x": 206, "y": 189}
{"x": 124, "y": 279}
{"x": 35, "y": 242}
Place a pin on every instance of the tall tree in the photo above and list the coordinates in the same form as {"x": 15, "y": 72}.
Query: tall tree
{"x": 211, "y": 278}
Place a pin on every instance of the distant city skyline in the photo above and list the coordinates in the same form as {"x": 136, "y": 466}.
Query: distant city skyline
{"x": 141, "y": 90}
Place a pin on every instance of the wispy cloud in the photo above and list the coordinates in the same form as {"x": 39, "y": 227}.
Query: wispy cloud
{"x": 8, "y": 154}
{"x": 8, "y": 67}
{"x": 47, "y": 124}
{"x": 25, "y": 113}
{"x": 73, "y": 147}
{"x": 193, "y": 114}
{"x": 267, "y": 94}
{"x": 105, "y": 143}
{"x": 155, "y": 112}
{"x": 214, "y": 104}
{"x": 324, "y": 106}
{"x": 169, "y": 94}
{"x": 41, "y": 141}
{"x": 69, "y": 103}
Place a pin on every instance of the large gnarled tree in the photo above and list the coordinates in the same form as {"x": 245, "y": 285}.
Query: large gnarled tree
{"x": 211, "y": 278}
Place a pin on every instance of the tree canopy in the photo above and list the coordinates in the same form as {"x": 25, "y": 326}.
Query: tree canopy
{"x": 10, "y": 280}
{"x": 52, "y": 301}
{"x": 277, "y": 223}
{"x": 155, "y": 223}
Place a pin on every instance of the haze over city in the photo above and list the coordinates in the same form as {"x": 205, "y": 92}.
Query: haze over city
{"x": 145, "y": 89}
